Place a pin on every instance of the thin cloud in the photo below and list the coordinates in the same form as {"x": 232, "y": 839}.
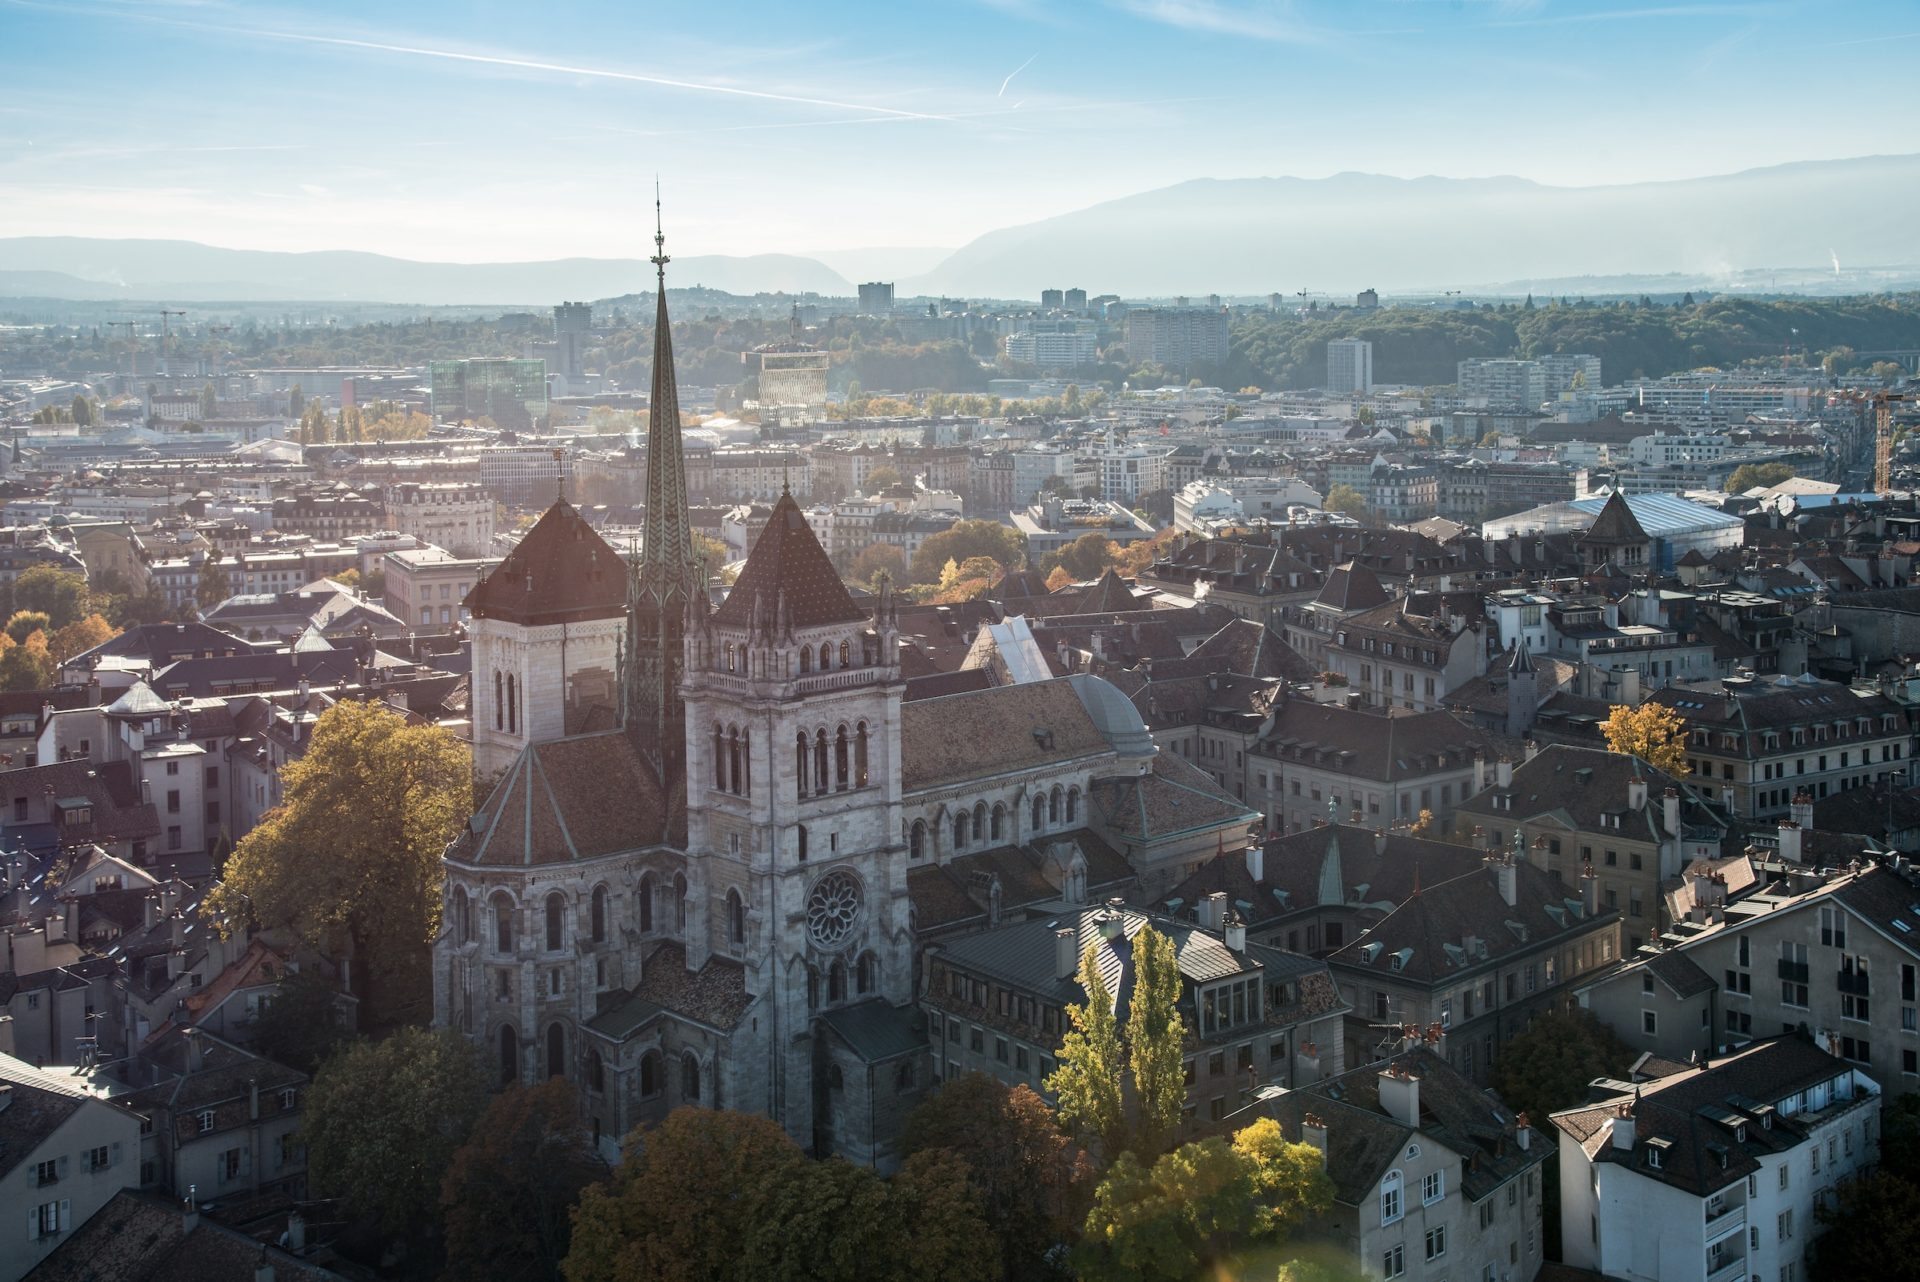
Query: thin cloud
{"x": 1011, "y": 74}
{"x": 1256, "y": 22}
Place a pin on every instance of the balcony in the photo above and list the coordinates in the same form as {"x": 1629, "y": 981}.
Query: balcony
{"x": 1724, "y": 1269}
{"x": 1853, "y": 981}
{"x": 1724, "y": 1218}
{"x": 1794, "y": 972}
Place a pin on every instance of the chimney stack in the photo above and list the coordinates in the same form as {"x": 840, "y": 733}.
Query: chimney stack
{"x": 1623, "y": 1130}
{"x": 1590, "y": 890}
{"x": 195, "y": 1054}
{"x": 1670, "y": 805}
{"x": 190, "y": 1210}
{"x": 1506, "y": 875}
{"x": 1479, "y": 772}
{"x": 1790, "y": 841}
{"x": 1802, "y": 808}
{"x": 296, "y": 1233}
{"x": 1256, "y": 859}
{"x": 1314, "y": 1131}
{"x": 1503, "y": 773}
{"x": 1213, "y": 910}
{"x": 1636, "y": 793}
{"x": 1235, "y": 933}
{"x": 1400, "y": 1095}
{"x": 1066, "y": 952}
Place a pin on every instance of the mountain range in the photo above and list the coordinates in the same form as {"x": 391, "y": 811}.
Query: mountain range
{"x": 1230, "y": 236}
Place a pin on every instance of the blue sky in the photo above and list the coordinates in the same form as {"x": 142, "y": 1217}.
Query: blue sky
{"x": 491, "y": 131}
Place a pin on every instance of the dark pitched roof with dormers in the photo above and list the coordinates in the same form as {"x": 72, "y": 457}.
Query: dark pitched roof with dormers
{"x": 788, "y": 563}
{"x": 561, "y": 572}
{"x": 1371, "y": 745}
{"x": 1249, "y": 648}
{"x": 1586, "y": 790}
{"x": 1377, "y": 870}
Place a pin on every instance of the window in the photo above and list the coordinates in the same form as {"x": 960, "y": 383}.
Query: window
{"x": 1649, "y": 1023}
{"x": 47, "y": 1172}
{"x": 1436, "y": 1242}
{"x": 49, "y": 1218}
{"x": 99, "y": 1159}
{"x": 1784, "y": 1226}
{"x": 1433, "y": 1188}
{"x": 205, "y": 1121}
{"x": 1394, "y": 1262}
{"x": 556, "y": 921}
{"x": 1390, "y": 1208}
{"x": 1833, "y": 928}
{"x": 690, "y": 1077}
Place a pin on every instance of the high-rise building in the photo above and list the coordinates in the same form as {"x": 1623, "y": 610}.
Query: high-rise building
{"x": 876, "y": 298}
{"x": 1177, "y": 337}
{"x": 1051, "y": 300}
{"x": 512, "y": 391}
{"x": 1367, "y": 299}
{"x": 1075, "y": 300}
{"x": 1349, "y": 366}
{"x": 1564, "y": 369}
{"x": 1503, "y": 382}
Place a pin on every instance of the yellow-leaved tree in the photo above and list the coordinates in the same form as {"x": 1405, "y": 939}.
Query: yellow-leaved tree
{"x": 350, "y": 858}
{"x": 1652, "y": 732}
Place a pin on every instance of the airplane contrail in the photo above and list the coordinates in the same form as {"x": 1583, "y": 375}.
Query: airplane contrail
{"x": 1010, "y": 75}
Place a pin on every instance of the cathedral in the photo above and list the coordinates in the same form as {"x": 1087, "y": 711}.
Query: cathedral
{"x": 720, "y": 842}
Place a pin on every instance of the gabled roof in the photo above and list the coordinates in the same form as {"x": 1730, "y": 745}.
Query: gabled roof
{"x": 1616, "y": 523}
{"x": 788, "y": 561}
{"x": 1251, "y": 649}
{"x": 561, "y": 572}
{"x": 1108, "y": 594}
{"x": 573, "y": 798}
{"x": 1351, "y": 588}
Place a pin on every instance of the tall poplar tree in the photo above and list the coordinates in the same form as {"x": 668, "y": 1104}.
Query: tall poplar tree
{"x": 1087, "y": 1082}
{"x": 1155, "y": 1033}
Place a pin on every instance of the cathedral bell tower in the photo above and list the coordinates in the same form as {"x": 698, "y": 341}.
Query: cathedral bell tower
{"x": 793, "y": 798}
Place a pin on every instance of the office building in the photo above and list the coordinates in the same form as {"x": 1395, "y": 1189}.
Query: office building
{"x": 1177, "y": 337}
{"x": 1503, "y": 382}
{"x": 511, "y": 391}
{"x": 1349, "y": 366}
{"x": 876, "y": 298}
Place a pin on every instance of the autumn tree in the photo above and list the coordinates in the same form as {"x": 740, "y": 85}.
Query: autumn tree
{"x": 1548, "y": 1067}
{"x": 876, "y": 559}
{"x": 382, "y": 799}
{"x": 1155, "y": 1033}
{"x": 382, "y": 1120}
{"x": 1653, "y": 732}
{"x": 882, "y": 478}
{"x": 1059, "y": 578}
{"x": 79, "y": 637}
{"x": 1347, "y": 501}
{"x": 967, "y": 539}
{"x": 26, "y": 664}
{"x": 509, "y": 1191}
{"x": 1087, "y": 1081}
{"x": 25, "y": 623}
{"x": 1030, "y": 1180}
{"x": 59, "y": 594}
{"x": 1757, "y": 476}
{"x": 1088, "y": 556}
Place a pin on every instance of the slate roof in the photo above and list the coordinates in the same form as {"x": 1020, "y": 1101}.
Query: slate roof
{"x": 1249, "y": 648}
{"x": 1616, "y": 523}
{"x": 942, "y": 740}
{"x": 1173, "y": 797}
{"x": 1377, "y": 871}
{"x": 1680, "y": 973}
{"x": 877, "y": 1032}
{"x": 1352, "y": 587}
{"x": 1397, "y": 745}
{"x": 139, "y": 1238}
{"x": 715, "y": 995}
{"x": 562, "y": 571}
{"x": 788, "y": 562}
{"x": 1107, "y": 595}
{"x": 1579, "y": 785}
{"x": 40, "y": 1106}
{"x": 573, "y": 798}
{"x": 116, "y": 812}
{"x": 162, "y": 643}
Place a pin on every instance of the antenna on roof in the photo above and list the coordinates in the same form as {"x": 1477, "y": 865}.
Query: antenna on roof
{"x": 559, "y": 475}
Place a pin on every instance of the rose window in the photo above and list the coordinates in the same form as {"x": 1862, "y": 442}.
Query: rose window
{"x": 832, "y": 909}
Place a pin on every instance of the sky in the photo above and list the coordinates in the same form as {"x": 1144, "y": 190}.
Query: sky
{"x": 504, "y": 131}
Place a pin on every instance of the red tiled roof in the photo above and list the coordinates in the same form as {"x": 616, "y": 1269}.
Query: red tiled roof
{"x": 789, "y": 560}
{"x": 561, "y": 572}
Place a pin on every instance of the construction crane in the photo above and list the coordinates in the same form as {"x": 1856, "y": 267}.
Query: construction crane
{"x": 166, "y": 338}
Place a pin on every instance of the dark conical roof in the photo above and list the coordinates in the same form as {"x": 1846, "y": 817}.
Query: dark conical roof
{"x": 1521, "y": 661}
{"x": 788, "y": 559}
{"x": 1108, "y": 595}
{"x": 561, "y": 572}
{"x": 1352, "y": 587}
{"x": 1616, "y": 523}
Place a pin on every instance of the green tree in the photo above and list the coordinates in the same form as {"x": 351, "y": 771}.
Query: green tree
{"x": 27, "y": 664}
{"x": 1088, "y": 556}
{"x": 1155, "y": 1033}
{"x": 876, "y": 559}
{"x": 1874, "y": 1224}
{"x": 302, "y": 1025}
{"x": 383, "y": 799}
{"x": 209, "y": 399}
{"x": 882, "y": 478}
{"x": 1030, "y": 1180}
{"x": 296, "y": 402}
{"x": 1087, "y": 1080}
{"x": 1549, "y": 1066}
{"x": 59, "y": 594}
{"x": 213, "y": 587}
{"x": 25, "y": 623}
{"x": 509, "y": 1191}
{"x": 79, "y": 637}
{"x": 1653, "y": 732}
{"x": 1754, "y": 476}
{"x": 1347, "y": 501}
{"x": 382, "y": 1120}
{"x": 968, "y": 539}
{"x": 1900, "y": 1137}
{"x": 82, "y": 412}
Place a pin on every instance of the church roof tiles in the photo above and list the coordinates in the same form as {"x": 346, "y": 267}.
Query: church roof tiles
{"x": 789, "y": 560}
{"x": 561, "y": 572}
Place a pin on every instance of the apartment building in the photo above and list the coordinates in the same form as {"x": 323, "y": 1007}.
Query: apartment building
{"x": 1176, "y": 337}
{"x": 1503, "y": 382}
{"x": 1349, "y": 366}
{"x": 427, "y": 587}
{"x": 1713, "y": 1173}
{"x": 1313, "y": 759}
{"x": 64, "y": 1153}
{"x": 453, "y": 515}
{"x": 1393, "y": 658}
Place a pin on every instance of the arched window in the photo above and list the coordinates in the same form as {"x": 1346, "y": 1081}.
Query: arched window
{"x": 719, "y": 758}
{"x": 650, "y": 1075}
{"x": 499, "y": 703}
{"x": 645, "y": 896}
{"x": 690, "y": 1078}
{"x": 1053, "y": 805}
{"x": 513, "y": 705}
{"x": 1073, "y": 803}
{"x": 800, "y": 841}
{"x": 733, "y": 758}
{"x": 736, "y": 918}
{"x": 596, "y": 1071}
{"x": 806, "y": 660}
{"x": 813, "y": 988}
{"x": 846, "y": 654}
{"x": 599, "y": 913}
{"x": 980, "y": 821}
{"x": 462, "y": 922}
{"x": 556, "y": 922}
{"x": 1039, "y": 813}
{"x": 820, "y": 762}
{"x": 556, "y": 1051}
{"x": 729, "y": 656}
{"x": 826, "y": 656}
{"x": 866, "y": 978}
{"x": 837, "y": 982}
{"x": 800, "y": 765}
{"x": 917, "y": 839}
{"x": 502, "y": 923}
{"x": 999, "y": 823}
{"x": 680, "y": 903}
{"x": 841, "y": 760}
{"x": 860, "y": 756}
{"x": 509, "y": 1056}
{"x": 1392, "y": 1204}
{"x": 960, "y": 831}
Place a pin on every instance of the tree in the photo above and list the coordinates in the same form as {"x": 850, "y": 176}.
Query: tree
{"x": 383, "y": 799}
{"x": 876, "y": 559}
{"x": 510, "y": 1190}
{"x": 25, "y": 665}
{"x": 1653, "y": 732}
{"x": 82, "y": 412}
{"x": 296, "y": 402}
{"x": 1876, "y": 1220}
{"x": 301, "y": 1026}
{"x": 1346, "y": 500}
{"x": 213, "y": 587}
{"x": 882, "y": 478}
{"x": 1757, "y": 476}
{"x": 826, "y": 1222}
{"x": 936, "y": 1225}
{"x": 25, "y": 623}
{"x": 712, "y": 554}
{"x": 1088, "y": 556}
{"x": 1900, "y": 1137}
{"x": 1059, "y": 578}
{"x": 1087, "y": 1081}
{"x": 1155, "y": 1033}
{"x": 1030, "y": 1179}
{"x": 382, "y": 1120}
{"x": 79, "y": 637}
{"x": 967, "y": 539}
{"x": 59, "y": 594}
{"x": 1549, "y": 1066}
{"x": 1423, "y": 826}
{"x": 691, "y": 1192}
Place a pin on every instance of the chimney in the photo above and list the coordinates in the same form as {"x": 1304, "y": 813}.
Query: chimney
{"x": 1256, "y": 859}
{"x": 1623, "y": 1130}
{"x": 177, "y": 929}
{"x": 190, "y": 1210}
{"x": 1400, "y": 1095}
{"x": 1533, "y": 749}
{"x": 1670, "y": 805}
{"x": 176, "y": 963}
{"x": 1636, "y": 793}
{"x": 195, "y": 1053}
{"x": 1503, "y": 773}
{"x": 1213, "y": 910}
{"x": 296, "y": 1233}
{"x": 1066, "y": 952}
{"x": 263, "y": 1271}
{"x": 1790, "y": 840}
{"x": 1802, "y": 808}
{"x": 1506, "y": 875}
{"x": 1314, "y": 1131}
{"x": 1235, "y": 933}
{"x": 1479, "y": 772}
{"x": 1379, "y": 841}
{"x": 1523, "y": 1131}
{"x": 1112, "y": 923}
{"x": 1590, "y": 890}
